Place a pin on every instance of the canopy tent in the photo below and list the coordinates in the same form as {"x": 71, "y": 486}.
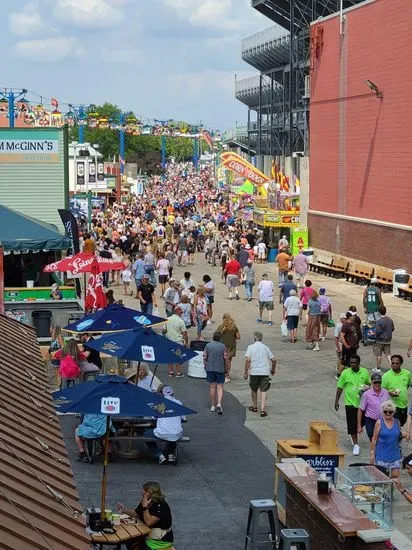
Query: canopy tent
{"x": 20, "y": 232}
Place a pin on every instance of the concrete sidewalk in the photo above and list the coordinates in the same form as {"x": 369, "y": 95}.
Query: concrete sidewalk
{"x": 231, "y": 458}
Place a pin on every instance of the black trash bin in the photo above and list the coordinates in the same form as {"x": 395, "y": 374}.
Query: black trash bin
{"x": 402, "y": 278}
{"x": 41, "y": 322}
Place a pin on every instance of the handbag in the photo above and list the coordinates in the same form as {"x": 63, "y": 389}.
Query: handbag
{"x": 284, "y": 328}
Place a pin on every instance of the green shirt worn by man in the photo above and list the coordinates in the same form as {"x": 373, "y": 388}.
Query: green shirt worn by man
{"x": 351, "y": 383}
{"x": 401, "y": 380}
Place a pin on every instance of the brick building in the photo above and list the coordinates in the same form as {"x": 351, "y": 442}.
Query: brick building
{"x": 360, "y": 145}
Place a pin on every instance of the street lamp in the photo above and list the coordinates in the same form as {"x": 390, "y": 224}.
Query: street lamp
{"x": 95, "y": 147}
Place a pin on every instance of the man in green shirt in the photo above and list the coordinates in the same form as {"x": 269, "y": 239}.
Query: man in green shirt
{"x": 351, "y": 382}
{"x": 372, "y": 299}
{"x": 397, "y": 381}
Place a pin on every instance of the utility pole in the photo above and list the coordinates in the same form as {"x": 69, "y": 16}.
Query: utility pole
{"x": 12, "y": 97}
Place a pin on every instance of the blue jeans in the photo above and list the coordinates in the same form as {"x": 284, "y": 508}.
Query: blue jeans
{"x": 151, "y": 273}
{"x": 154, "y": 447}
{"x": 249, "y": 289}
{"x": 147, "y": 308}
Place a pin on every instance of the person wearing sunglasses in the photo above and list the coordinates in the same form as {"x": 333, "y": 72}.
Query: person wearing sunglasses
{"x": 370, "y": 405}
{"x": 385, "y": 445}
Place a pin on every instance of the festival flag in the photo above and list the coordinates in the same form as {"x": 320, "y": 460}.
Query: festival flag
{"x": 95, "y": 296}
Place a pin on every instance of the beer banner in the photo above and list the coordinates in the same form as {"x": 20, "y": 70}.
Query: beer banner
{"x": 92, "y": 172}
{"x": 80, "y": 173}
{"x": 100, "y": 171}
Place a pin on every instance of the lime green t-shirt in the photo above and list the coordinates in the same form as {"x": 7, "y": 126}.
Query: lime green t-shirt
{"x": 398, "y": 381}
{"x": 351, "y": 383}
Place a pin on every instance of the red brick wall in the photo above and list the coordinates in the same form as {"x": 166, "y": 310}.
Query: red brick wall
{"x": 379, "y": 245}
{"x": 360, "y": 153}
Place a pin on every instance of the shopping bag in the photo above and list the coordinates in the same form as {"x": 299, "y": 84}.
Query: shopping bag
{"x": 331, "y": 323}
{"x": 284, "y": 329}
{"x": 156, "y": 312}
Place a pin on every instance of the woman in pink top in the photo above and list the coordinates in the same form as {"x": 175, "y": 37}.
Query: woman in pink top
{"x": 301, "y": 267}
{"x": 70, "y": 358}
{"x": 305, "y": 296}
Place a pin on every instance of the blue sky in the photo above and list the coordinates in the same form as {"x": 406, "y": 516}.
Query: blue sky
{"x": 160, "y": 58}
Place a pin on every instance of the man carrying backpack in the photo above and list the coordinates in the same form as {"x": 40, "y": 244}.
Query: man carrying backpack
{"x": 325, "y": 312}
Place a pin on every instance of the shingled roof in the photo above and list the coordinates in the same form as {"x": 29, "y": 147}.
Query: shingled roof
{"x": 39, "y": 504}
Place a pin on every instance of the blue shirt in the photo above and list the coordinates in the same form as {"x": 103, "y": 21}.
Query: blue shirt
{"x": 139, "y": 269}
{"x": 314, "y": 307}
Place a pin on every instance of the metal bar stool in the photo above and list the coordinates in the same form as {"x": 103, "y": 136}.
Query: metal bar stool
{"x": 294, "y": 537}
{"x": 253, "y": 535}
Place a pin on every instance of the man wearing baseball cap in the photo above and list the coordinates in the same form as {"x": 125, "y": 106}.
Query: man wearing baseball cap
{"x": 146, "y": 295}
{"x": 370, "y": 405}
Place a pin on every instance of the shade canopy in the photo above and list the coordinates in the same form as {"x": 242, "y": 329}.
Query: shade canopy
{"x": 143, "y": 345}
{"x": 115, "y": 396}
{"x": 20, "y": 232}
{"x": 83, "y": 263}
{"x": 112, "y": 318}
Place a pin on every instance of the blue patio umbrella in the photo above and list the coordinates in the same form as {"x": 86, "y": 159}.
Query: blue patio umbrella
{"x": 113, "y": 318}
{"x": 114, "y": 396}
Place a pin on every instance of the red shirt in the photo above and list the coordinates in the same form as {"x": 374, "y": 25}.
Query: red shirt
{"x": 233, "y": 267}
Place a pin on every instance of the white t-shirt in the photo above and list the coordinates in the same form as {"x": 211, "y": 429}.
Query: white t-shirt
{"x": 266, "y": 289}
{"x": 169, "y": 429}
{"x": 163, "y": 267}
{"x": 260, "y": 359}
{"x": 261, "y": 247}
{"x": 292, "y": 305}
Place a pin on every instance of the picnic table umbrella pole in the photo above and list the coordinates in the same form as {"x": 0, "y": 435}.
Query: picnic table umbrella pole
{"x": 105, "y": 462}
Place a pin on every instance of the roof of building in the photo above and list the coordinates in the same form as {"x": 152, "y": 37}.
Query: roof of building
{"x": 39, "y": 504}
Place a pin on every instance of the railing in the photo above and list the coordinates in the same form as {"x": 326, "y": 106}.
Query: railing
{"x": 271, "y": 35}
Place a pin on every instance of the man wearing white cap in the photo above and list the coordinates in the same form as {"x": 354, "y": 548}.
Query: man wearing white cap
{"x": 372, "y": 300}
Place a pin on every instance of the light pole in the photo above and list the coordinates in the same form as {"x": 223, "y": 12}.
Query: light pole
{"x": 95, "y": 147}
{"x": 11, "y": 97}
{"x": 80, "y": 114}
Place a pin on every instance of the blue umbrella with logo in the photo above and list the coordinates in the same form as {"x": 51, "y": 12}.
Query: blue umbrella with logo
{"x": 114, "y": 396}
{"x": 113, "y": 318}
{"x": 143, "y": 344}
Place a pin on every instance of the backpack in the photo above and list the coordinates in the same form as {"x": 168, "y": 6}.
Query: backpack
{"x": 324, "y": 304}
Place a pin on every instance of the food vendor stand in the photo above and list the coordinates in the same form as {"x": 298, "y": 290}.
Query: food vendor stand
{"x": 26, "y": 245}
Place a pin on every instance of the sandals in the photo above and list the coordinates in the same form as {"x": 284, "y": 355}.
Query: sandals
{"x": 253, "y": 409}
{"x": 263, "y": 414}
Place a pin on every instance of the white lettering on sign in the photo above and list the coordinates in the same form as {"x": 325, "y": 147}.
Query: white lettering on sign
{"x": 110, "y": 405}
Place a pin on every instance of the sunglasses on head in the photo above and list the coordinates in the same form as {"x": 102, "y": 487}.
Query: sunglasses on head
{"x": 377, "y": 382}
{"x": 388, "y": 412}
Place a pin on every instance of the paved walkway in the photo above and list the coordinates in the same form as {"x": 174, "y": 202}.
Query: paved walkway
{"x": 230, "y": 459}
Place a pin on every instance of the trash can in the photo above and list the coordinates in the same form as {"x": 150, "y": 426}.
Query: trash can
{"x": 400, "y": 277}
{"x": 308, "y": 252}
{"x": 41, "y": 320}
{"x": 273, "y": 254}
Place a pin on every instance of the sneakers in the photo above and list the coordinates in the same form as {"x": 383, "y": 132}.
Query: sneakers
{"x": 270, "y": 323}
{"x": 171, "y": 458}
{"x": 259, "y": 321}
{"x": 237, "y": 297}
{"x": 356, "y": 450}
{"x": 323, "y": 338}
{"x": 83, "y": 457}
{"x": 227, "y": 379}
{"x": 179, "y": 375}
{"x": 219, "y": 410}
{"x": 316, "y": 348}
{"x": 212, "y": 408}
{"x": 171, "y": 374}
{"x": 161, "y": 459}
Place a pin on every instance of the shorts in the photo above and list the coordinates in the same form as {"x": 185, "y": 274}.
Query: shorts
{"x": 200, "y": 324}
{"x": 232, "y": 281}
{"x": 346, "y": 355}
{"x": 261, "y": 255}
{"x": 381, "y": 347}
{"x": 351, "y": 419}
{"x": 214, "y": 377}
{"x": 259, "y": 382}
{"x": 292, "y": 322}
{"x": 163, "y": 279}
{"x": 394, "y": 465}
{"x": 304, "y": 307}
{"x": 210, "y": 299}
{"x": 324, "y": 319}
{"x": 266, "y": 305}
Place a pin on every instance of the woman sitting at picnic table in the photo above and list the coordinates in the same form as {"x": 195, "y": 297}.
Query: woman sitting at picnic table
{"x": 93, "y": 426}
{"x": 155, "y": 513}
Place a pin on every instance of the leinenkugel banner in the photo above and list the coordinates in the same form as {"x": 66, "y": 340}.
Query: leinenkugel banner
{"x": 240, "y": 166}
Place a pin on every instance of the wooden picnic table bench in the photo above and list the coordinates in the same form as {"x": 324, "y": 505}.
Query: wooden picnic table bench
{"x": 123, "y": 533}
{"x": 384, "y": 276}
{"x": 338, "y": 266}
{"x": 320, "y": 263}
{"x": 359, "y": 272}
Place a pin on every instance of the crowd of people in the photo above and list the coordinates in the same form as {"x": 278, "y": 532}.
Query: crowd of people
{"x": 183, "y": 219}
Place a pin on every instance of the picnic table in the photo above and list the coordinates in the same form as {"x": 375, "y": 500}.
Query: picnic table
{"x": 125, "y": 532}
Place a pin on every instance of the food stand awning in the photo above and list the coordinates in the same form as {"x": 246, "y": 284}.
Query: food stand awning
{"x": 20, "y": 232}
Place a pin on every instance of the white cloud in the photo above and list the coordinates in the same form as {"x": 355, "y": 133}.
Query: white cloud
{"x": 218, "y": 14}
{"x": 26, "y": 22}
{"x": 49, "y": 49}
{"x": 89, "y": 13}
{"x": 190, "y": 85}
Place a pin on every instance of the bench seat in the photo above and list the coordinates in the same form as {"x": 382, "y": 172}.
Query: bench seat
{"x": 384, "y": 276}
{"x": 338, "y": 266}
{"x": 359, "y": 272}
{"x": 405, "y": 291}
{"x": 321, "y": 263}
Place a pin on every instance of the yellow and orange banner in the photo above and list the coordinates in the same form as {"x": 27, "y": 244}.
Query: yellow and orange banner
{"x": 243, "y": 168}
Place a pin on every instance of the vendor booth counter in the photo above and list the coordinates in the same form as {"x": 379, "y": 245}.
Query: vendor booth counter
{"x": 35, "y": 307}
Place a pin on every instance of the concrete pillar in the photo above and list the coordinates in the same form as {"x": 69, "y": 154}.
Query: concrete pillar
{"x": 259, "y": 162}
{"x": 289, "y": 168}
{"x": 267, "y": 165}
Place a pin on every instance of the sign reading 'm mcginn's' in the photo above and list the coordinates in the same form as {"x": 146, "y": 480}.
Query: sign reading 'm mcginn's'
{"x": 19, "y": 151}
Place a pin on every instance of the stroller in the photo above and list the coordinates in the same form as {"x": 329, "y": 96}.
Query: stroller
{"x": 369, "y": 332}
